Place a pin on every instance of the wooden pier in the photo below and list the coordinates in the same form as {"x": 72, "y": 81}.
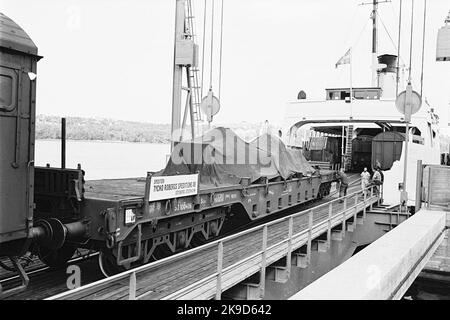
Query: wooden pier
{"x": 386, "y": 268}
{"x": 417, "y": 248}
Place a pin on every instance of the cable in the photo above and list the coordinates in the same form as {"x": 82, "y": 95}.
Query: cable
{"x": 212, "y": 44}
{"x": 423, "y": 45}
{"x": 356, "y": 42}
{"x": 220, "y": 52}
{"x": 398, "y": 49}
{"x": 387, "y": 31}
{"x": 395, "y": 47}
{"x": 393, "y": 43}
{"x": 411, "y": 44}
{"x": 351, "y": 23}
{"x": 360, "y": 34}
{"x": 203, "y": 49}
{"x": 394, "y": 12}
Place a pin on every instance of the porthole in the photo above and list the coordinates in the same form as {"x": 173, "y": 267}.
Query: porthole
{"x": 8, "y": 88}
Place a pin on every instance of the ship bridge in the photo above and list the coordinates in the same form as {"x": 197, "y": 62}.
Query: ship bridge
{"x": 303, "y": 112}
{"x": 366, "y": 106}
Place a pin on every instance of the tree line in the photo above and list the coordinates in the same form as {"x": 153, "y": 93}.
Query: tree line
{"x": 77, "y": 128}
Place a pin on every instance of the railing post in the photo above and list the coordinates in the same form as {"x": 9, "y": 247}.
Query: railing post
{"x": 132, "y": 288}
{"x": 345, "y": 203}
{"x": 356, "y": 210}
{"x": 429, "y": 188}
{"x": 330, "y": 215}
{"x": 308, "y": 247}
{"x": 419, "y": 180}
{"x": 262, "y": 281}
{"x": 365, "y": 199}
{"x": 289, "y": 252}
{"x": 380, "y": 196}
{"x": 219, "y": 270}
{"x": 371, "y": 195}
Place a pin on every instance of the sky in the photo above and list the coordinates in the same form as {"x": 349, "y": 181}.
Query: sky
{"x": 114, "y": 58}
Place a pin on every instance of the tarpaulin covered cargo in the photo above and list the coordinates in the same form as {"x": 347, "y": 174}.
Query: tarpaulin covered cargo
{"x": 286, "y": 162}
{"x": 222, "y": 158}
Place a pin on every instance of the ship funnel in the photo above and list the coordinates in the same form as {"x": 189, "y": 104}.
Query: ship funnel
{"x": 387, "y": 74}
{"x": 301, "y": 95}
{"x": 443, "y": 42}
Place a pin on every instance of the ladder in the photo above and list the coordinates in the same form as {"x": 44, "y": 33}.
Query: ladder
{"x": 348, "y": 148}
{"x": 192, "y": 71}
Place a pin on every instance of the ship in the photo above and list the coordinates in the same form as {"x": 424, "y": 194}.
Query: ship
{"x": 360, "y": 126}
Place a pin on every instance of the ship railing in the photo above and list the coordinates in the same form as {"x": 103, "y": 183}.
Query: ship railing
{"x": 300, "y": 225}
{"x": 432, "y": 185}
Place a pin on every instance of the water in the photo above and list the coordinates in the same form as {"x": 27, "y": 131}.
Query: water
{"x": 104, "y": 160}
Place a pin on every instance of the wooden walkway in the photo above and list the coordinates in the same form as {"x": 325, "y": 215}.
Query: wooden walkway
{"x": 396, "y": 258}
{"x": 206, "y": 271}
{"x": 439, "y": 264}
{"x": 438, "y": 267}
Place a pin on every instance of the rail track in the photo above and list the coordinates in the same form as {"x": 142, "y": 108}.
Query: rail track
{"x": 32, "y": 264}
{"x": 45, "y": 282}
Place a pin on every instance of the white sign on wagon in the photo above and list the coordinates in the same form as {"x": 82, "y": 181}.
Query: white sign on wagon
{"x": 168, "y": 187}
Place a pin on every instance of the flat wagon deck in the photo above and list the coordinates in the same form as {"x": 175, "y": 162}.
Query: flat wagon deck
{"x": 130, "y": 188}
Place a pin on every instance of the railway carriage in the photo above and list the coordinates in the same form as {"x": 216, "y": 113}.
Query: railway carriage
{"x": 18, "y": 60}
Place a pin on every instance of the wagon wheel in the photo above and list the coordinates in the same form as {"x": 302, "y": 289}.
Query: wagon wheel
{"x": 197, "y": 240}
{"x": 161, "y": 252}
{"x": 56, "y": 258}
{"x": 107, "y": 262}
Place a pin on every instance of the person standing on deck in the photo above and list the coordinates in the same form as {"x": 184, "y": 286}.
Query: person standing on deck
{"x": 343, "y": 180}
{"x": 377, "y": 180}
{"x": 365, "y": 179}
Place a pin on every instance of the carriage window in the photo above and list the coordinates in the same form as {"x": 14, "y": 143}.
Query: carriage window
{"x": 5, "y": 90}
{"x": 359, "y": 95}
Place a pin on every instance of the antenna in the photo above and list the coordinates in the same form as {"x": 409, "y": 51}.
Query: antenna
{"x": 374, "y": 14}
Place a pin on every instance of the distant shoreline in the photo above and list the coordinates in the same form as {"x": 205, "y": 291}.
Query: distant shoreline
{"x": 105, "y": 141}
{"x": 88, "y": 129}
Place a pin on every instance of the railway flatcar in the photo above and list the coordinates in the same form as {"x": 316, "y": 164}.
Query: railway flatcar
{"x": 50, "y": 212}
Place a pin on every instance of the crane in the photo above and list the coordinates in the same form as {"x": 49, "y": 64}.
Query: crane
{"x": 186, "y": 73}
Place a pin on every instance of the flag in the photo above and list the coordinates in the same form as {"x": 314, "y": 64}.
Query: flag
{"x": 345, "y": 59}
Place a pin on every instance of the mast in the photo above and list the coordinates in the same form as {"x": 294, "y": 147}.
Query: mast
{"x": 374, "y": 44}
{"x": 374, "y": 17}
{"x": 177, "y": 75}
{"x": 185, "y": 64}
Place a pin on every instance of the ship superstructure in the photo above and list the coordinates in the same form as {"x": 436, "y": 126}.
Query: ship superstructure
{"x": 369, "y": 128}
